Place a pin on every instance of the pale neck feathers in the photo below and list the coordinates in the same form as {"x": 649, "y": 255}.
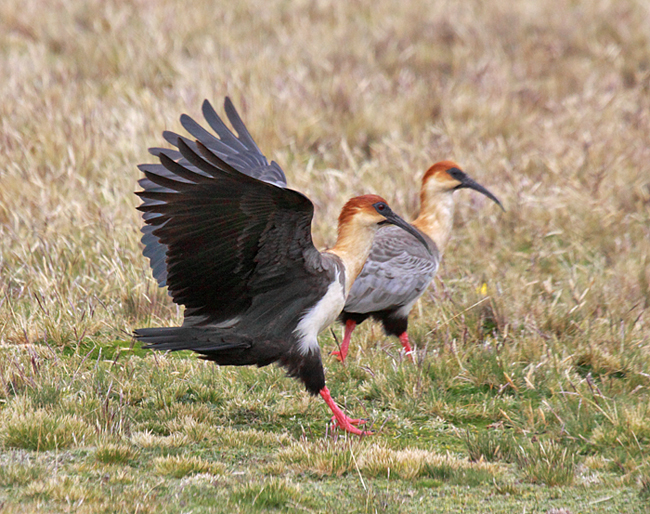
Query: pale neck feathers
{"x": 436, "y": 217}
{"x": 353, "y": 247}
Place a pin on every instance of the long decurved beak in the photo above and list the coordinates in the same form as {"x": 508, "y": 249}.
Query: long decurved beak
{"x": 470, "y": 183}
{"x": 394, "y": 219}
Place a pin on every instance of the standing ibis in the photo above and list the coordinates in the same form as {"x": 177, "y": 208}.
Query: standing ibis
{"x": 399, "y": 269}
{"x": 237, "y": 252}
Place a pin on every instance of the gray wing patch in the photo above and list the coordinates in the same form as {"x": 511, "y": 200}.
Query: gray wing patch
{"x": 242, "y": 153}
{"x": 397, "y": 272}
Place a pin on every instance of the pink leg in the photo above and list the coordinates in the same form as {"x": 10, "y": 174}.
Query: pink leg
{"x": 340, "y": 419}
{"x": 343, "y": 353}
{"x": 404, "y": 339}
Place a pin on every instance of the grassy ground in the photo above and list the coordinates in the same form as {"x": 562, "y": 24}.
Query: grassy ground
{"x": 531, "y": 389}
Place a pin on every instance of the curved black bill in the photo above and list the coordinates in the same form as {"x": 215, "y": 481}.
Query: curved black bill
{"x": 472, "y": 184}
{"x": 394, "y": 219}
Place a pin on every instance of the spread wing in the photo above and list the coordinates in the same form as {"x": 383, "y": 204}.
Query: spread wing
{"x": 397, "y": 272}
{"x": 229, "y": 238}
{"x": 239, "y": 151}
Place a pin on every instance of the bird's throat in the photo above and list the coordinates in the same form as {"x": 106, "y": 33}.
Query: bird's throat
{"x": 436, "y": 217}
{"x": 353, "y": 247}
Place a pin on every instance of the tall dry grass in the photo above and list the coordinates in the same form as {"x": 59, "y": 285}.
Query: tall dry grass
{"x": 545, "y": 102}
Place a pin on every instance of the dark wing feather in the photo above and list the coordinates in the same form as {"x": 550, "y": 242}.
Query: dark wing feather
{"x": 241, "y": 153}
{"x": 230, "y": 238}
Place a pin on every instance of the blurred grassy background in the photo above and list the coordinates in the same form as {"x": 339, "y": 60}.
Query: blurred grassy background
{"x": 545, "y": 103}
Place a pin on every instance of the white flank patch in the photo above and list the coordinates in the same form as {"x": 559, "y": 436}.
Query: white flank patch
{"x": 320, "y": 316}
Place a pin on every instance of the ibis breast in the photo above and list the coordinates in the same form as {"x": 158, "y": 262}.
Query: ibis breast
{"x": 325, "y": 311}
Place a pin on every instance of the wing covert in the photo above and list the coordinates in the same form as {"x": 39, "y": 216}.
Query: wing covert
{"x": 397, "y": 272}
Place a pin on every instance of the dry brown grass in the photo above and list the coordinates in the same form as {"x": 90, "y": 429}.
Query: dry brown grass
{"x": 546, "y": 103}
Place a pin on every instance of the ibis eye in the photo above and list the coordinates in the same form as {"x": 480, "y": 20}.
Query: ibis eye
{"x": 456, "y": 173}
{"x": 380, "y": 206}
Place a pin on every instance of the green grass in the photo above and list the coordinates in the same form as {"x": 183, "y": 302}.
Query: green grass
{"x": 530, "y": 390}
{"x": 273, "y": 494}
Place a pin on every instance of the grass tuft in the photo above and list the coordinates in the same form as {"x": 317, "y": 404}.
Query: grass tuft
{"x": 644, "y": 490}
{"x": 272, "y": 494}
{"x": 490, "y": 445}
{"x": 180, "y": 466}
{"x": 42, "y": 431}
{"x": 327, "y": 458}
{"x": 375, "y": 461}
{"x": 547, "y": 463}
{"x": 115, "y": 454}
{"x": 458, "y": 475}
{"x": 70, "y": 490}
{"x": 14, "y": 474}
{"x": 148, "y": 440}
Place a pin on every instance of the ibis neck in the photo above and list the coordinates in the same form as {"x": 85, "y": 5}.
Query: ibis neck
{"x": 436, "y": 217}
{"x": 353, "y": 247}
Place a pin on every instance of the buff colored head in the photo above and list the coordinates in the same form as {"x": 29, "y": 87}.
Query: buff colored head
{"x": 372, "y": 210}
{"x": 447, "y": 177}
{"x": 364, "y": 209}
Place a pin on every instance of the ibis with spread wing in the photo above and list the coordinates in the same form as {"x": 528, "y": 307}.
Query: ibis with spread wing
{"x": 234, "y": 246}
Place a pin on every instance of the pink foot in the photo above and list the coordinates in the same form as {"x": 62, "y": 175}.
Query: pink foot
{"x": 343, "y": 352}
{"x": 404, "y": 339}
{"x": 339, "y": 419}
{"x": 355, "y": 422}
{"x": 338, "y": 355}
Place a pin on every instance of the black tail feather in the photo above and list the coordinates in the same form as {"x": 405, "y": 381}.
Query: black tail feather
{"x": 200, "y": 340}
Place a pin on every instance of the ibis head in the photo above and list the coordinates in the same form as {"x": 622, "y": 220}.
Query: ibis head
{"x": 372, "y": 211}
{"x": 447, "y": 177}
{"x": 359, "y": 220}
